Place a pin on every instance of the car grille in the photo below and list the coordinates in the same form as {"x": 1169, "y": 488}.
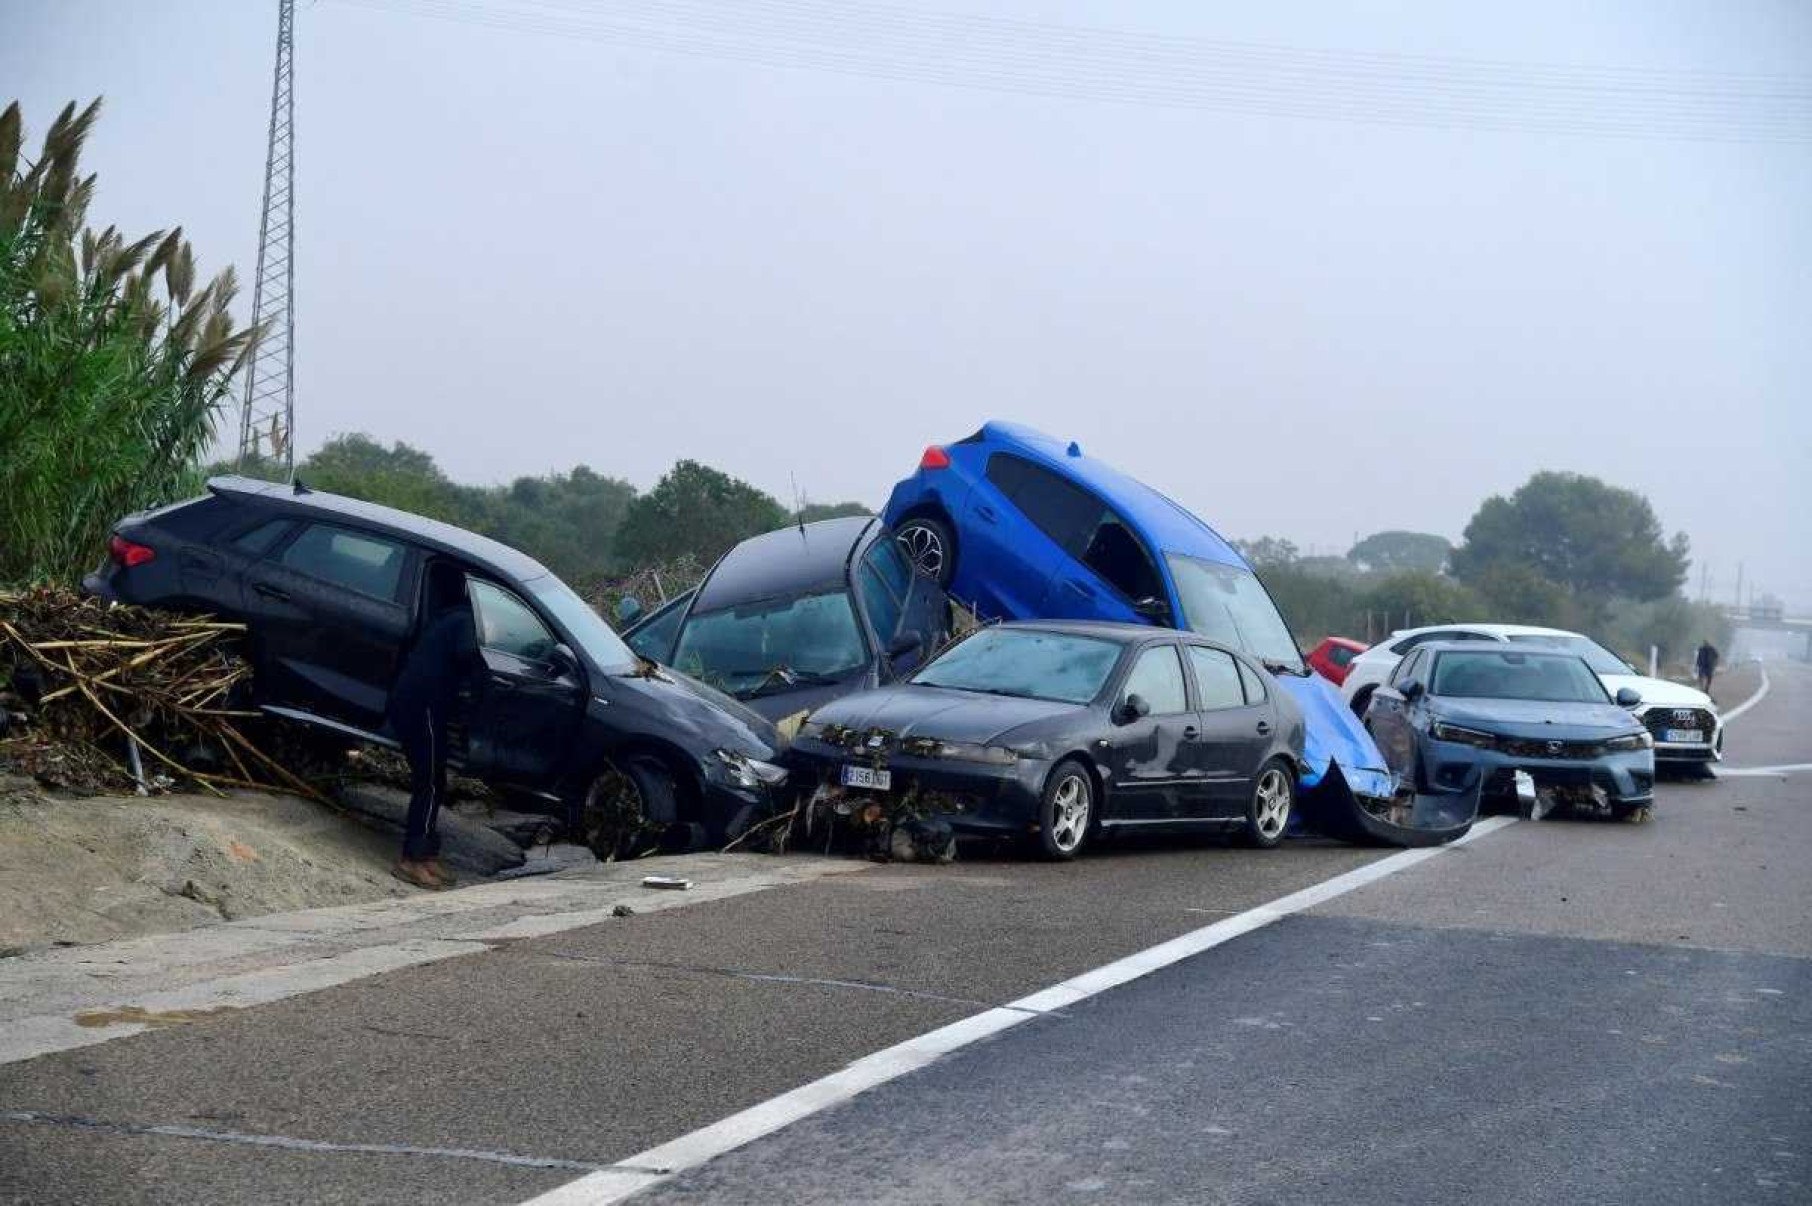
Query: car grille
{"x": 1659, "y": 720}
{"x": 1549, "y": 749}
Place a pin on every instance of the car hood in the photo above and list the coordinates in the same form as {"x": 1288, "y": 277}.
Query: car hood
{"x": 1658, "y": 691}
{"x": 686, "y": 708}
{"x": 1332, "y": 734}
{"x": 778, "y": 705}
{"x": 1537, "y": 719}
{"x": 950, "y": 715}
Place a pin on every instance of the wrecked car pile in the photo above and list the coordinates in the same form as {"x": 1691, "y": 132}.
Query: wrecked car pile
{"x": 95, "y": 698}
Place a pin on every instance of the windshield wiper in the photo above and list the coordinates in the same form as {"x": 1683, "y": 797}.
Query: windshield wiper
{"x": 785, "y": 678}
{"x": 1277, "y": 667}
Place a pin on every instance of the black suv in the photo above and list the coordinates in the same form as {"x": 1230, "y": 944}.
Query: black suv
{"x": 333, "y": 590}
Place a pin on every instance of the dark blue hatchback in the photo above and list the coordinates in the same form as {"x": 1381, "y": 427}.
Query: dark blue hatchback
{"x": 1022, "y": 526}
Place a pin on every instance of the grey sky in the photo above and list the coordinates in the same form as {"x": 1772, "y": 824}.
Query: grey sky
{"x": 522, "y": 251}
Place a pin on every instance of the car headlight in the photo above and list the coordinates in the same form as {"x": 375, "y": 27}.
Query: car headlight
{"x": 965, "y": 751}
{"x": 1464, "y": 736}
{"x": 745, "y": 771}
{"x": 1631, "y": 741}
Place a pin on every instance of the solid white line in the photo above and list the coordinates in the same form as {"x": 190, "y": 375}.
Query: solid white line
{"x": 636, "y": 1173}
{"x": 1771, "y": 772}
{"x": 1751, "y": 701}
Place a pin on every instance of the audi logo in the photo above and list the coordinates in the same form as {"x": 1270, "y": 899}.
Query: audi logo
{"x": 1685, "y": 715}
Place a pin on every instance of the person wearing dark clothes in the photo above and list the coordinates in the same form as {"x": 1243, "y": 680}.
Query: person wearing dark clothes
{"x": 442, "y": 660}
{"x": 1705, "y": 664}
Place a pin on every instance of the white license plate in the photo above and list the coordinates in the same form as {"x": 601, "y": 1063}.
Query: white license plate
{"x": 867, "y": 776}
{"x": 1684, "y": 736}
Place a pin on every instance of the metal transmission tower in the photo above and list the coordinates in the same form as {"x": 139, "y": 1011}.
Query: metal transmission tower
{"x": 267, "y": 419}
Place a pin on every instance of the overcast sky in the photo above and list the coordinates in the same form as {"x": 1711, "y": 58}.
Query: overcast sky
{"x": 523, "y": 250}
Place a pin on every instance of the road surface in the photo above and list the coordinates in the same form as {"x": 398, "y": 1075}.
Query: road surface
{"x": 1554, "y": 1010}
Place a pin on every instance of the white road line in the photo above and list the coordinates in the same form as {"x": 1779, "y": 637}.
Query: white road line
{"x": 1769, "y": 772}
{"x": 646, "y": 1169}
{"x": 1751, "y": 701}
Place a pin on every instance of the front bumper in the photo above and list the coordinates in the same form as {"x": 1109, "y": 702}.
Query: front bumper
{"x": 1657, "y": 721}
{"x": 1625, "y": 777}
{"x": 974, "y": 797}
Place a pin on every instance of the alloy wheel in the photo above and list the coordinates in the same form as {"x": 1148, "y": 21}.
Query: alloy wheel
{"x": 924, "y": 547}
{"x": 1070, "y": 808}
{"x": 1273, "y": 804}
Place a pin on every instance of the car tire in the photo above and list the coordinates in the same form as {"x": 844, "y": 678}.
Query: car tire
{"x": 1633, "y": 814}
{"x": 929, "y": 546}
{"x": 627, "y": 806}
{"x": 1272, "y": 804}
{"x": 1066, "y": 810}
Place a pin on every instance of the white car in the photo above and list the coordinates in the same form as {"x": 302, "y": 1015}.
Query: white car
{"x": 1683, "y": 721}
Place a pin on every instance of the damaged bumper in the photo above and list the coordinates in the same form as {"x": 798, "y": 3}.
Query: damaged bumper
{"x": 980, "y": 799}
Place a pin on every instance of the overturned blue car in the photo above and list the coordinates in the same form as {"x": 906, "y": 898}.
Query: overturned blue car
{"x": 1022, "y": 526}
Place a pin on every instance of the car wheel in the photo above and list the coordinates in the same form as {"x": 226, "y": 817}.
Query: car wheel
{"x": 928, "y": 544}
{"x": 627, "y": 805}
{"x": 1273, "y": 800}
{"x": 1067, "y": 810}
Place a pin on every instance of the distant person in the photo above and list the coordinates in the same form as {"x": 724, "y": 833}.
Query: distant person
{"x": 1705, "y": 664}
{"x": 442, "y": 659}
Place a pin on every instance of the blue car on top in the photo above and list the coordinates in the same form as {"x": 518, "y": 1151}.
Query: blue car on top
{"x": 1022, "y": 526}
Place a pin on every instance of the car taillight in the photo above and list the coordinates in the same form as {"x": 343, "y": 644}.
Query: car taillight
{"x": 935, "y": 458}
{"x": 128, "y": 554}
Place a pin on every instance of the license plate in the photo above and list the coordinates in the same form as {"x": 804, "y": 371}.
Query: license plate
{"x": 1686, "y": 736}
{"x": 868, "y": 777}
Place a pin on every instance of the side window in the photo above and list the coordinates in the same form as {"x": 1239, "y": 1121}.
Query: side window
{"x": 1116, "y": 554}
{"x": 507, "y": 624}
{"x": 262, "y": 539}
{"x": 879, "y": 603}
{"x": 1254, "y": 683}
{"x": 1340, "y": 655}
{"x": 368, "y": 564}
{"x": 1217, "y": 678}
{"x": 654, "y": 640}
{"x": 1422, "y": 638}
{"x": 1066, "y": 513}
{"x": 1408, "y": 668}
{"x": 1157, "y": 677}
{"x": 891, "y": 564}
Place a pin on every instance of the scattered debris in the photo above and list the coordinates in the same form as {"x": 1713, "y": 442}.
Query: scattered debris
{"x": 623, "y": 910}
{"x": 672, "y": 882}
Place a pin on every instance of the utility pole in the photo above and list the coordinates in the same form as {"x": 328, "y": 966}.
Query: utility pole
{"x": 267, "y": 420}
{"x": 1739, "y": 592}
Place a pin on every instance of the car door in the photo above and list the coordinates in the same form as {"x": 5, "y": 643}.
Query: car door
{"x": 1107, "y": 575}
{"x": 1234, "y": 722}
{"x": 528, "y": 707}
{"x": 906, "y": 611}
{"x": 1389, "y": 721}
{"x": 328, "y": 622}
{"x": 1019, "y": 526}
{"x": 1150, "y": 759}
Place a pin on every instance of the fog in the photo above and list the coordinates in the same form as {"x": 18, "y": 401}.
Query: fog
{"x": 522, "y": 250}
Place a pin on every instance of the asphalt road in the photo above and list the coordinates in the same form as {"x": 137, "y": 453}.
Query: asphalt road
{"x": 1600, "y": 1012}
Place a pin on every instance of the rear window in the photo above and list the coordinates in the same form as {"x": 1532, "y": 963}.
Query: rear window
{"x": 1340, "y": 655}
{"x": 262, "y": 539}
{"x": 367, "y": 564}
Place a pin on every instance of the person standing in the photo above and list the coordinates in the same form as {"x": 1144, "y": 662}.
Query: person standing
{"x": 426, "y": 690}
{"x": 1705, "y": 664}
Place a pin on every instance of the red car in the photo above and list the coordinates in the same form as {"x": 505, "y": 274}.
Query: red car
{"x": 1331, "y": 658}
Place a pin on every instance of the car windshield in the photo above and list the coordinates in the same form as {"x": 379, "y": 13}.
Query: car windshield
{"x": 1228, "y": 604}
{"x": 1596, "y": 656}
{"x": 770, "y": 645}
{"x": 1026, "y": 662}
{"x": 586, "y": 627}
{"x": 1547, "y": 677}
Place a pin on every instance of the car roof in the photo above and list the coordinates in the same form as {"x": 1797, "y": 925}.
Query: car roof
{"x": 1161, "y": 520}
{"x": 1519, "y": 651}
{"x": 796, "y": 560}
{"x": 1503, "y": 630}
{"x": 1124, "y": 633}
{"x": 487, "y": 554}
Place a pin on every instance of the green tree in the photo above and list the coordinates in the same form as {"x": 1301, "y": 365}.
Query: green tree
{"x": 1415, "y": 599}
{"x": 812, "y": 512}
{"x": 694, "y": 510}
{"x": 113, "y": 367}
{"x": 1389, "y": 552}
{"x": 1596, "y": 540}
{"x": 1516, "y": 594}
{"x": 399, "y": 476}
{"x": 1267, "y": 550}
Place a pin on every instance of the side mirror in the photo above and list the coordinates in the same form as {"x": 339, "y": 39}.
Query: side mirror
{"x": 563, "y": 661}
{"x": 629, "y": 610}
{"x": 1410, "y": 689}
{"x": 1628, "y": 697}
{"x": 907, "y": 643}
{"x": 1132, "y": 708}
